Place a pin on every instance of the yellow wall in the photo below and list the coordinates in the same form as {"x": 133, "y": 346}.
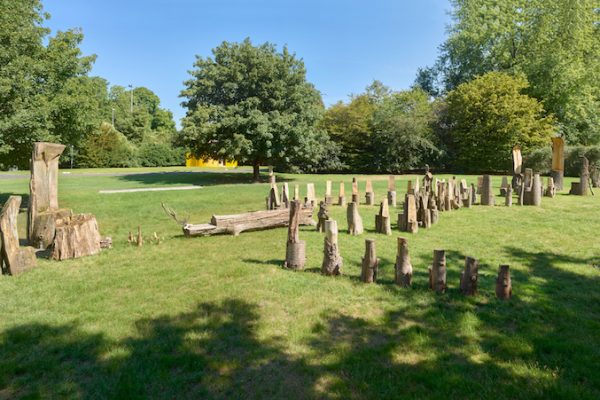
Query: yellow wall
{"x": 191, "y": 161}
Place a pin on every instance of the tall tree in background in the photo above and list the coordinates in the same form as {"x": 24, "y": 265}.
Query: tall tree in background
{"x": 253, "y": 104}
{"x": 555, "y": 43}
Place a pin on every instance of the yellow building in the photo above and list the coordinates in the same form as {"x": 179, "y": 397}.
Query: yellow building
{"x": 191, "y": 161}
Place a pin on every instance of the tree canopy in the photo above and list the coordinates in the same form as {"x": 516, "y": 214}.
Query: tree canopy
{"x": 253, "y": 104}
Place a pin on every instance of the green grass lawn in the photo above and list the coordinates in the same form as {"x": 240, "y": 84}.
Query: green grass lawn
{"x": 218, "y": 317}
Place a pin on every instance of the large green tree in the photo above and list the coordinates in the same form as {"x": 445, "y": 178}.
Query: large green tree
{"x": 253, "y": 104}
{"x": 489, "y": 115}
{"x": 555, "y": 43}
{"x": 36, "y": 74}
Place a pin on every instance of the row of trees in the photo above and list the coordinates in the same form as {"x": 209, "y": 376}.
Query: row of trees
{"x": 46, "y": 94}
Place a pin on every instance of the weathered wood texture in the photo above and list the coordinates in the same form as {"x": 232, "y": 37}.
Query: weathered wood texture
{"x": 369, "y": 194}
{"x": 391, "y": 196}
{"x": 44, "y": 227}
{"x": 469, "y": 277}
{"x": 504, "y": 283}
{"x": 437, "y": 272}
{"x": 295, "y": 252}
{"x": 558, "y": 161}
{"x": 407, "y": 221}
{"x": 285, "y": 195}
{"x": 322, "y": 216}
{"x": 403, "y": 266}
{"x": 342, "y": 195}
{"x": 77, "y": 236}
{"x": 332, "y": 261}
{"x": 355, "y": 224}
{"x": 43, "y": 184}
{"x": 383, "y": 220}
{"x": 13, "y": 259}
{"x": 251, "y": 221}
{"x": 370, "y": 262}
{"x": 517, "y": 160}
{"x": 508, "y": 197}
{"x": 550, "y": 187}
{"x": 487, "y": 192}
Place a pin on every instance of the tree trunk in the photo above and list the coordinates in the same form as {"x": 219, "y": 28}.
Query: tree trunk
{"x": 468, "y": 277}
{"x": 332, "y": 261}
{"x": 403, "y": 266}
{"x": 370, "y": 262}
{"x": 437, "y": 272}
{"x": 355, "y": 225}
{"x": 256, "y": 171}
{"x": 503, "y": 283}
{"x": 78, "y": 236}
{"x": 295, "y": 253}
{"x": 13, "y": 259}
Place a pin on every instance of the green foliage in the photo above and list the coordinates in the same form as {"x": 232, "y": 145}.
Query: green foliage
{"x": 488, "y": 116}
{"x": 157, "y": 154}
{"x": 402, "y": 135}
{"x": 555, "y": 43}
{"x": 107, "y": 148}
{"x": 540, "y": 160}
{"x": 253, "y": 104}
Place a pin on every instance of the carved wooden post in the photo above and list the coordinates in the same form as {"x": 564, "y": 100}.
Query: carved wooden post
{"x": 550, "y": 188}
{"x": 509, "y": 195}
{"x": 370, "y": 262}
{"x": 342, "y": 196}
{"x": 273, "y": 199}
{"x": 272, "y": 179}
{"x": 408, "y": 220}
{"x": 584, "y": 177}
{"x": 473, "y": 194}
{"x": 503, "y": 186}
{"x": 296, "y": 192}
{"x": 310, "y": 193}
{"x": 467, "y": 197}
{"x": 517, "y": 166}
{"x": 355, "y": 225}
{"x": 409, "y": 187}
{"x": 424, "y": 212}
{"x": 536, "y": 191}
{"x": 487, "y": 192}
{"x": 558, "y": 162}
{"x": 437, "y": 272}
{"x": 78, "y": 236}
{"x": 328, "y": 198}
{"x": 285, "y": 195}
{"x": 43, "y": 193}
{"x": 355, "y": 195}
{"x": 382, "y": 220}
{"x": 522, "y": 193}
{"x": 369, "y": 195}
{"x": 503, "y": 283}
{"x": 468, "y": 277}
{"x": 295, "y": 252}
{"x": 403, "y": 266}
{"x": 332, "y": 261}
{"x": 322, "y": 216}
{"x": 13, "y": 259}
{"x": 391, "y": 195}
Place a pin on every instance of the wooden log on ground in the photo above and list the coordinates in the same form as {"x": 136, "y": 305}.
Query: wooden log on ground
{"x": 403, "y": 266}
{"x": 370, "y": 263}
{"x": 43, "y": 184}
{"x": 295, "y": 251}
{"x": 487, "y": 192}
{"x": 509, "y": 196}
{"x": 469, "y": 277}
{"x": 504, "y": 283}
{"x": 78, "y": 236}
{"x": 322, "y": 216}
{"x": 437, "y": 272}
{"x": 355, "y": 225}
{"x": 536, "y": 191}
{"x": 13, "y": 258}
{"x": 391, "y": 196}
{"x": 382, "y": 220}
{"x": 252, "y": 221}
{"x": 424, "y": 216}
{"x": 342, "y": 195}
{"x": 332, "y": 261}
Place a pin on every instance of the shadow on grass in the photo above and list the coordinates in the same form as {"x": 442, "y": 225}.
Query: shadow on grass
{"x": 202, "y": 178}
{"x": 543, "y": 343}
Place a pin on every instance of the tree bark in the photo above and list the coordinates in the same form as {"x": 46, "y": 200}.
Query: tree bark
{"x": 469, "y": 277}
{"x": 295, "y": 253}
{"x": 13, "y": 259}
{"x": 256, "y": 171}
{"x": 332, "y": 261}
{"x": 403, "y": 267}
{"x": 355, "y": 225}
{"x": 503, "y": 283}
{"x": 78, "y": 236}
{"x": 370, "y": 262}
{"x": 437, "y": 272}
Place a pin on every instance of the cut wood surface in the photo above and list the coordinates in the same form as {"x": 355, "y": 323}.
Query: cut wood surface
{"x": 234, "y": 224}
{"x": 77, "y": 236}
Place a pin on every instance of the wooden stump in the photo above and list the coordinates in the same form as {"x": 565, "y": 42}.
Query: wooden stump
{"x": 332, "y": 261}
{"x": 584, "y": 177}
{"x": 403, "y": 267}
{"x": 285, "y": 195}
{"x": 487, "y": 192}
{"x": 558, "y": 178}
{"x": 295, "y": 252}
{"x": 434, "y": 216}
{"x": 369, "y": 194}
{"x": 509, "y": 195}
{"x": 310, "y": 193}
{"x": 391, "y": 183}
{"x": 342, "y": 195}
{"x": 503, "y": 186}
{"x": 77, "y": 236}
{"x": 473, "y": 194}
{"x": 355, "y": 195}
{"x": 322, "y": 216}
{"x": 44, "y": 227}
{"x": 382, "y": 220}
{"x": 328, "y": 198}
{"x": 437, "y": 272}
{"x": 468, "y": 277}
{"x": 522, "y": 193}
{"x": 410, "y": 214}
{"x": 558, "y": 162}
{"x": 536, "y": 191}
{"x": 550, "y": 188}
{"x": 503, "y": 283}
{"x": 273, "y": 199}
{"x": 355, "y": 225}
{"x": 370, "y": 262}
{"x": 13, "y": 259}
{"x": 391, "y": 195}
{"x": 296, "y": 192}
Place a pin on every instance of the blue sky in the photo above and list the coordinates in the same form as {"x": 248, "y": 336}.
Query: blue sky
{"x": 344, "y": 44}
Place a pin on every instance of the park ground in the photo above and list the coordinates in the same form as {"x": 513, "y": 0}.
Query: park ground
{"x": 217, "y": 317}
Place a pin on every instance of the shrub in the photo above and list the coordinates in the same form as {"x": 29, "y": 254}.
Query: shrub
{"x": 154, "y": 154}
{"x": 107, "y": 148}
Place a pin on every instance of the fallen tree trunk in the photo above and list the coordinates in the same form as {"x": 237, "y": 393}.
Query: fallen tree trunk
{"x": 252, "y": 221}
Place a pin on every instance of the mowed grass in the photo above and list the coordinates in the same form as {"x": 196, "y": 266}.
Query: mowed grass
{"x": 218, "y": 317}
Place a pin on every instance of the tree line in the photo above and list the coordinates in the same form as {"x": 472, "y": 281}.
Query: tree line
{"x": 511, "y": 72}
